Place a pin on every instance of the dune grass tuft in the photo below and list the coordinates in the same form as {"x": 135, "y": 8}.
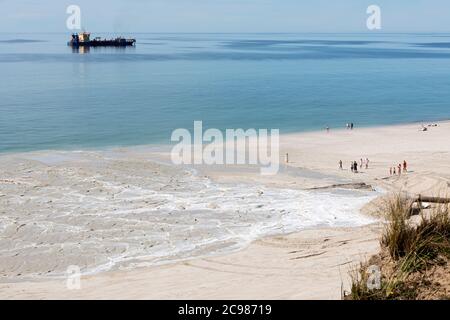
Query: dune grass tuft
{"x": 410, "y": 250}
{"x": 416, "y": 246}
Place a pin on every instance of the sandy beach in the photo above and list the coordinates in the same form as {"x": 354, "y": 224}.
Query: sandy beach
{"x": 63, "y": 208}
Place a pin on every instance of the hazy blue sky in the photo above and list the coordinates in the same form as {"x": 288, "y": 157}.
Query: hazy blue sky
{"x": 225, "y": 15}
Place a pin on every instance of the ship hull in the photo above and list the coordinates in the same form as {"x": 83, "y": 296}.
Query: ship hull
{"x": 103, "y": 43}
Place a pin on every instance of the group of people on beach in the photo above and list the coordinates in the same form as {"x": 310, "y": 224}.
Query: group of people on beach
{"x": 425, "y": 128}
{"x": 398, "y": 169}
{"x": 354, "y": 165}
{"x": 349, "y": 126}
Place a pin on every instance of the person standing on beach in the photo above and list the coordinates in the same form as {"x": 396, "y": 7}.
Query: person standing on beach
{"x": 367, "y": 163}
{"x": 399, "y": 169}
{"x": 355, "y": 166}
{"x": 361, "y": 163}
{"x": 351, "y": 126}
{"x": 390, "y": 171}
{"x": 328, "y": 129}
{"x": 340, "y": 164}
{"x": 405, "y": 166}
{"x": 352, "y": 166}
{"x": 348, "y": 126}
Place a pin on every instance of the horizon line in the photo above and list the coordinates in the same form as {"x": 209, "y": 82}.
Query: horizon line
{"x": 259, "y": 32}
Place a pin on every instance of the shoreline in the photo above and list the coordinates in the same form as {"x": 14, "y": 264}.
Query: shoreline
{"x": 162, "y": 146}
{"x": 314, "y": 151}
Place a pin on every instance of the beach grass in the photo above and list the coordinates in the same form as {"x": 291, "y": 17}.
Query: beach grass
{"x": 410, "y": 252}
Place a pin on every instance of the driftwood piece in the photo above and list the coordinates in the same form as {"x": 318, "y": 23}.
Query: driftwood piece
{"x": 421, "y": 198}
{"x": 417, "y": 202}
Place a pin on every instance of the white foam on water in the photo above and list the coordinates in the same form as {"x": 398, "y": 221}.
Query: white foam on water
{"x": 214, "y": 218}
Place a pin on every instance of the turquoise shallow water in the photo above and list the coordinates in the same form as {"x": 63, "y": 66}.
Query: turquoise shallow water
{"x": 55, "y": 98}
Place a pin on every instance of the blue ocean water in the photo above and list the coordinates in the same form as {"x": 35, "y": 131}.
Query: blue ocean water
{"x": 53, "y": 97}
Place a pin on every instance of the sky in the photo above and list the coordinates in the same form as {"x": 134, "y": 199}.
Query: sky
{"x": 225, "y": 15}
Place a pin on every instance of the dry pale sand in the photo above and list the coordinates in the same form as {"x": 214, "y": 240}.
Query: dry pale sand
{"x": 311, "y": 264}
{"x": 427, "y": 154}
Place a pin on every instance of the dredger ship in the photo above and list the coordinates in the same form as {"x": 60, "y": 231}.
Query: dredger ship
{"x": 84, "y": 40}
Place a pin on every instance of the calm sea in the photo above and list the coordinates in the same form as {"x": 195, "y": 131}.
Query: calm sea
{"x": 55, "y": 98}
